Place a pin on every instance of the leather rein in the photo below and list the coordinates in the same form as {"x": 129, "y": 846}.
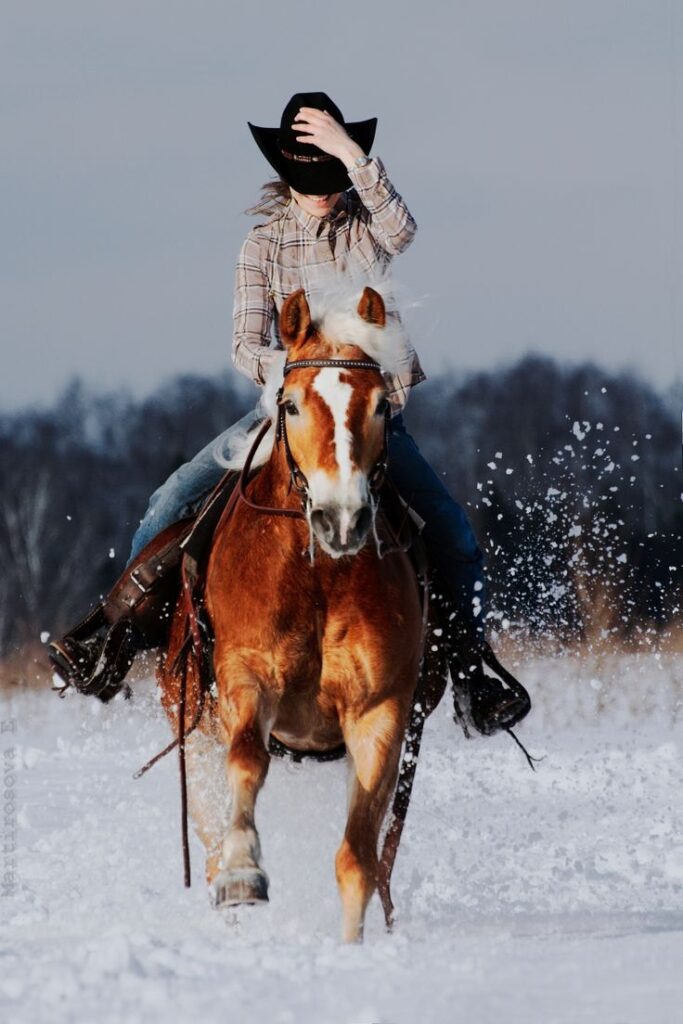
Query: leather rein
{"x": 297, "y": 478}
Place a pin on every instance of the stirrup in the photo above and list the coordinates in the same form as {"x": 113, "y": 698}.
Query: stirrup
{"x": 73, "y": 660}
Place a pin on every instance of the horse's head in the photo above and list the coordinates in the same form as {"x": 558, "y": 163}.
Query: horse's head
{"x": 335, "y": 418}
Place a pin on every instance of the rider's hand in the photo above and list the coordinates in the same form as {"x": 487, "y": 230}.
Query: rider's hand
{"x": 323, "y": 131}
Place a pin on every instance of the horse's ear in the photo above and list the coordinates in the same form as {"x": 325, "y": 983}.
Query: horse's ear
{"x": 295, "y": 318}
{"x": 371, "y": 307}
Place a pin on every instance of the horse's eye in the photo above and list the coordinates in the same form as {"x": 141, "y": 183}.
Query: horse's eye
{"x": 382, "y": 407}
{"x": 290, "y": 407}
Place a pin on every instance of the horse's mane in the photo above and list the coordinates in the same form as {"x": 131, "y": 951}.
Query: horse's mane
{"x": 335, "y": 316}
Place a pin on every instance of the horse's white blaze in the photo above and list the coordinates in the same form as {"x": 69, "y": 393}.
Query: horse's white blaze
{"x": 348, "y": 488}
{"x": 337, "y": 395}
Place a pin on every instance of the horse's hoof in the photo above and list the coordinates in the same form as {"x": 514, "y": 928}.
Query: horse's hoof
{"x": 244, "y": 885}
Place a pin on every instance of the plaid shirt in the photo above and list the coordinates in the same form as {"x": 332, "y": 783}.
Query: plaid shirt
{"x": 296, "y": 250}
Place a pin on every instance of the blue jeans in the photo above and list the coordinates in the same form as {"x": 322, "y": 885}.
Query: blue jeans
{"x": 451, "y": 544}
{"x": 448, "y": 534}
{"x": 184, "y": 489}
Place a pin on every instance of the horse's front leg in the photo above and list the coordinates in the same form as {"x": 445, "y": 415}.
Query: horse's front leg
{"x": 207, "y": 796}
{"x": 246, "y": 723}
{"x": 373, "y": 741}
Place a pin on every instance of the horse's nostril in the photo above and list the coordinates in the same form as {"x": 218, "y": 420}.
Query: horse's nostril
{"x": 322, "y": 522}
{"x": 363, "y": 521}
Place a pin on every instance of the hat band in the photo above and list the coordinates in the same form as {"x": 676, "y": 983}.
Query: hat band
{"x": 306, "y": 159}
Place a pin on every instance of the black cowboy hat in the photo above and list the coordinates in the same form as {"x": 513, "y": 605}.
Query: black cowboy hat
{"x": 305, "y": 167}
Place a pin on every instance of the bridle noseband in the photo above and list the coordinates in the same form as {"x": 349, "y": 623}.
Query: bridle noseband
{"x": 297, "y": 477}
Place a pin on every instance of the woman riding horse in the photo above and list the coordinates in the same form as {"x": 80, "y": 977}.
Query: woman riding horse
{"x": 332, "y": 213}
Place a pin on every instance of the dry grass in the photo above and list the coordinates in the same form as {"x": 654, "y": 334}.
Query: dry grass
{"x": 28, "y": 668}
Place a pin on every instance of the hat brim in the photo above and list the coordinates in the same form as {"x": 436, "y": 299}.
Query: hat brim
{"x": 313, "y": 179}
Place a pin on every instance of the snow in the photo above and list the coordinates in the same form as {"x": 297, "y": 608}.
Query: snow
{"x": 544, "y": 898}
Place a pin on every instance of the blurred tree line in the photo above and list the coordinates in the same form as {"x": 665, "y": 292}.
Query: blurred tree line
{"x": 572, "y": 478}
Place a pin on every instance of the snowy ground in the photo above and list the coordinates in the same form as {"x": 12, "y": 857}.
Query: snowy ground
{"x": 543, "y": 899}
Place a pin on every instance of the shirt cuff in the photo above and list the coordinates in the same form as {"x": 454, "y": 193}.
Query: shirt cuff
{"x": 366, "y": 177}
{"x": 264, "y": 365}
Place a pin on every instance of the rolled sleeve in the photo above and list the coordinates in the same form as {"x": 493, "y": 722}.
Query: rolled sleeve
{"x": 391, "y": 222}
{"x": 402, "y": 380}
{"x": 252, "y": 314}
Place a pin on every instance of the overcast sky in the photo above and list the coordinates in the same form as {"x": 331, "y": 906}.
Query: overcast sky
{"x": 537, "y": 143}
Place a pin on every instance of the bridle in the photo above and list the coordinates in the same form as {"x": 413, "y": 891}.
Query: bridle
{"x": 297, "y": 478}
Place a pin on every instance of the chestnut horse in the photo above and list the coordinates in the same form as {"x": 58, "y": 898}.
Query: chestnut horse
{"x": 317, "y": 638}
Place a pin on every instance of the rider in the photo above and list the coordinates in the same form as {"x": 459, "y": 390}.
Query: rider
{"x": 332, "y": 211}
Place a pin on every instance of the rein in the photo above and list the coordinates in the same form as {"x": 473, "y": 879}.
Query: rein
{"x": 291, "y": 513}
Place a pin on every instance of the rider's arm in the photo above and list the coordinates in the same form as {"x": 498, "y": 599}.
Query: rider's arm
{"x": 252, "y": 314}
{"x": 391, "y": 222}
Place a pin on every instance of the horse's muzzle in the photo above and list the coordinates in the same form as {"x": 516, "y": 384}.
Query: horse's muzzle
{"x": 340, "y": 530}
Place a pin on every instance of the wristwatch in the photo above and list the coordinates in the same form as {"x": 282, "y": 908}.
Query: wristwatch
{"x": 360, "y": 161}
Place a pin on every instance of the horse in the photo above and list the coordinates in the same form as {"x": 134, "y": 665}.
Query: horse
{"x": 317, "y": 639}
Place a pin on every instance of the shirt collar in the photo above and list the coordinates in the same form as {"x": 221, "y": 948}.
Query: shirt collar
{"x": 317, "y": 226}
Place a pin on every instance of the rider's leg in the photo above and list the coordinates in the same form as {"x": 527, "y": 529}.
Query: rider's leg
{"x": 179, "y": 495}
{"x": 448, "y": 532}
{"x": 453, "y": 550}
{"x": 96, "y": 655}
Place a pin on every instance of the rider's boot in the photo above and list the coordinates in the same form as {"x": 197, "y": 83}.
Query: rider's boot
{"x": 485, "y": 703}
{"x": 95, "y": 656}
